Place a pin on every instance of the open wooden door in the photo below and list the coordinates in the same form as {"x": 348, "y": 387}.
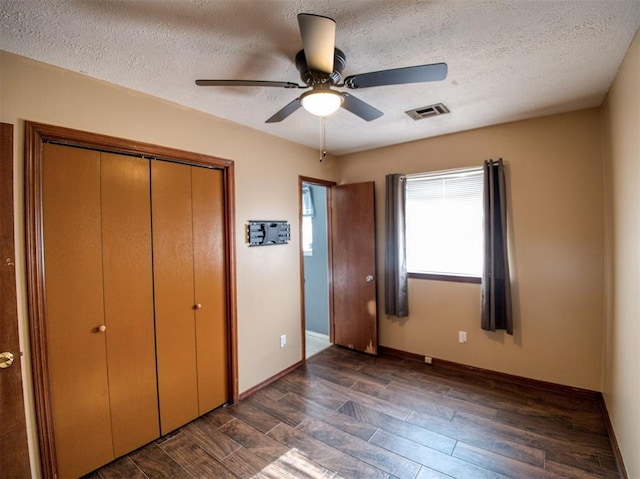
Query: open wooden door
{"x": 14, "y": 458}
{"x": 353, "y": 248}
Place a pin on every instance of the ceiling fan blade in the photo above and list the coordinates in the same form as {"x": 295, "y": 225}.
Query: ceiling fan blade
{"x": 360, "y": 108}
{"x": 318, "y": 39}
{"x": 285, "y": 112}
{"x": 280, "y": 84}
{"x": 398, "y": 76}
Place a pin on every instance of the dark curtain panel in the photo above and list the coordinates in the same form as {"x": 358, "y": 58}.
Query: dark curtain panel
{"x": 395, "y": 271}
{"x": 496, "y": 286}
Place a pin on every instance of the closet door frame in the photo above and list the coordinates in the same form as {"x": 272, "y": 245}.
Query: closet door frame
{"x": 36, "y": 134}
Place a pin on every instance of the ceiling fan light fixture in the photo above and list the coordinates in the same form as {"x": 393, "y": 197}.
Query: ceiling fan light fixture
{"x": 321, "y": 102}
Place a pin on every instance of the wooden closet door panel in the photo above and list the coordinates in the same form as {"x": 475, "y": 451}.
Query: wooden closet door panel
{"x": 76, "y": 350}
{"x": 210, "y": 288}
{"x": 173, "y": 287}
{"x": 128, "y": 301}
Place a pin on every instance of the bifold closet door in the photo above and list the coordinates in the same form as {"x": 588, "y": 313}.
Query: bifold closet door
{"x": 210, "y": 287}
{"x": 128, "y": 299}
{"x": 190, "y": 292}
{"x": 174, "y": 302}
{"x": 99, "y": 299}
{"x": 76, "y": 349}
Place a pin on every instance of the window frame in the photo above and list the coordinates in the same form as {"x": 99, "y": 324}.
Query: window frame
{"x": 434, "y": 276}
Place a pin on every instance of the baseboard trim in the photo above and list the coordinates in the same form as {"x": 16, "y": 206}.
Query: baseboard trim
{"x": 270, "y": 380}
{"x": 398, "y": 353}
{"x": 489, "y": 374}
{"x": 622, "y": 470}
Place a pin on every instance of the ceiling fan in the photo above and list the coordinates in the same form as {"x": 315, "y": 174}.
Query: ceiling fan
{"x": 320, "y": 65}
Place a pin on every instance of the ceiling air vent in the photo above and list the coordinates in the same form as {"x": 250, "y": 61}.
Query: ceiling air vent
{"x": 427, "y": 111}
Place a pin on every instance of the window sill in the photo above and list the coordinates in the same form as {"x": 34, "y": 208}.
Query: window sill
{"x": 446, "y": 277}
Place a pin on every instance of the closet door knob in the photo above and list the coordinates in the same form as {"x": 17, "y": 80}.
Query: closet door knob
{"x": 197, "y": 306}
{"x": 102, "y": 328}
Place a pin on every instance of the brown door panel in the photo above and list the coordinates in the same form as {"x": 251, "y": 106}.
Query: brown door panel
{"x": 128, "y": 301}
{"x": 354, "y": 267}
{"x": 14, "y": 459}
{"x": 75, "y": 309}
{"x": 173, "y": 285}
{"x": 210, "y": 288}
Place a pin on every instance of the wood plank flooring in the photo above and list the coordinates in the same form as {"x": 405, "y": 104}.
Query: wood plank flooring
{"x": 350, "y": 415}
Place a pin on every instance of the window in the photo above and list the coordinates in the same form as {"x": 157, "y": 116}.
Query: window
{"x": 308, "y": 212}
{"x": 307, "y": 235}
{"x": 444, "y": 223}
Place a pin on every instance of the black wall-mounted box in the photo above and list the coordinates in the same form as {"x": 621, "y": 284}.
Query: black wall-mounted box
{"x": 263, "y": 233}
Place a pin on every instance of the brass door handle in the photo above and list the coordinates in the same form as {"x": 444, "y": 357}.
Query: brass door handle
{"x": 6, "y": 360}
{"x": 368, "y": 278}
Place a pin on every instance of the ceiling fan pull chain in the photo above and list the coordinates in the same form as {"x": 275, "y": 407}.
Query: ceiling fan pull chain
{"x": 323, "y": 140}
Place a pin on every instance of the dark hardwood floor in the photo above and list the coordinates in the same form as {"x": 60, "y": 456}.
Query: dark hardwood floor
{"x": 350, "y": 415}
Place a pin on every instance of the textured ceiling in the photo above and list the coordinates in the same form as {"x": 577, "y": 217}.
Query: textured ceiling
{"x": 508, "y": 60}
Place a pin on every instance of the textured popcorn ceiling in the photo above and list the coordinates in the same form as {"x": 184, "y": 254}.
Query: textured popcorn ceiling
{"x": 508, "y": 60}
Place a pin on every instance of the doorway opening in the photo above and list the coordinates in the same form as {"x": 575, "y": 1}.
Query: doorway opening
{"x": 344, "y": 292}
{"x": 316, "y": 265}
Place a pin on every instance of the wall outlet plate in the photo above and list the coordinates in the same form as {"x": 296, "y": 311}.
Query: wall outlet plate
{"x": 283, "y": 340}
{"x": 462, "y": 336}
{"x": 428, "y": 359}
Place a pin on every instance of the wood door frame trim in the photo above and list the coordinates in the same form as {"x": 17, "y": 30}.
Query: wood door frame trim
{"x": 36, "y": 134}
{"x": 9, "y": 337}
{"x": 328, "y": 184}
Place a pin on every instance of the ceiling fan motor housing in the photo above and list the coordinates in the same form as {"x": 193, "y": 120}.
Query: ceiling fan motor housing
{"x": 312, "y": 77}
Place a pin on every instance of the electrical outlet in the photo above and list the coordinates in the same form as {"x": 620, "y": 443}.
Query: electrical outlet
{"x": 428, "y": 359}
{"x": 283, "y": 340}
{"x": 462, "y": 336}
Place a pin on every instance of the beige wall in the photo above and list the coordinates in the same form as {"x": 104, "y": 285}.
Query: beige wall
{"x": 266, "y": 167}
{"x": 555, "y": 205}
{"x": 622, "y": 188}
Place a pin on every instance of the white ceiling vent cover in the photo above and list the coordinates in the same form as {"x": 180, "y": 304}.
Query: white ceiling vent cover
{"x": 427, "y": 111}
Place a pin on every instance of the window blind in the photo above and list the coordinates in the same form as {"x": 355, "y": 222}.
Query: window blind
{"x": 444, "y": 222}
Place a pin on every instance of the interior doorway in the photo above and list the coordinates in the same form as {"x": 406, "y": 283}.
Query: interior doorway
{"x": 316, "y": 265}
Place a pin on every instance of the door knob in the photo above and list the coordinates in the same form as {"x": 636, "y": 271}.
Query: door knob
{"x": 102, "y": 328}
{"x": 6, "y": 360}
{"x": 197, "y": 306}
{"x": 368, "y": 278}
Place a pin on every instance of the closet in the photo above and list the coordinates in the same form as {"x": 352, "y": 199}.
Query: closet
{"x": 135, "y": 295}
